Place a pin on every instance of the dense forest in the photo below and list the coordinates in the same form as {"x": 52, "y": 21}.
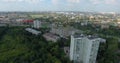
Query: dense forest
{"x": 19, "y": 46}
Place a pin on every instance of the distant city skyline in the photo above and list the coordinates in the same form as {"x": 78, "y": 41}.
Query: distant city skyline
{"x": 61, "y": 5}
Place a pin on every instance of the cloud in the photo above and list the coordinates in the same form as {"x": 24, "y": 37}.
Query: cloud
{"x": 55, "y": 1}
{"x": 67, "y": 1}
{"x": 95, "y": 1}
{"x": 103, "y": 1}
{"x": 110, "y": 1}
{"x": 73, "y": 1}
{"x": 28, "y": 1}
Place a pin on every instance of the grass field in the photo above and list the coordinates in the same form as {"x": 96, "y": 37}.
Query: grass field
{"x": 36, "y": 16}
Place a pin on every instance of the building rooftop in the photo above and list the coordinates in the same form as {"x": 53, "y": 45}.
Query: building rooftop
{"x": 51, "y": 35}
{"x": 33, "y": 31}
{"x": 79, "y": 36}
{"x": 90, "y": 37}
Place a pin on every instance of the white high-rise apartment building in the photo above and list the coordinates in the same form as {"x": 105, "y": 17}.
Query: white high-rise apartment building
{"x": 84, "y": 49}
{"x": 37, "y": 24}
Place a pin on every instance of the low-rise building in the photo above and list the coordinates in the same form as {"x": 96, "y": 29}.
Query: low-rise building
{"x": 51, "y": 37}
{"x": 64, "y": 31}
{"x": 104, "y": 26}
{"x": 33, "y": 31}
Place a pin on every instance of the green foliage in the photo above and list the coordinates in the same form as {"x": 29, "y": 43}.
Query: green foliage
{"x": 107, "y": 52}
{"x": 19, "y": 46}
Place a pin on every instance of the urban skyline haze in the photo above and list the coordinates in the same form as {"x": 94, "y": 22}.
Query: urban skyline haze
{"x": 61, "y": 5}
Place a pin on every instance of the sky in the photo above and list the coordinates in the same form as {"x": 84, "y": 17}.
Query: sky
{"x": 61, "y": 5}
